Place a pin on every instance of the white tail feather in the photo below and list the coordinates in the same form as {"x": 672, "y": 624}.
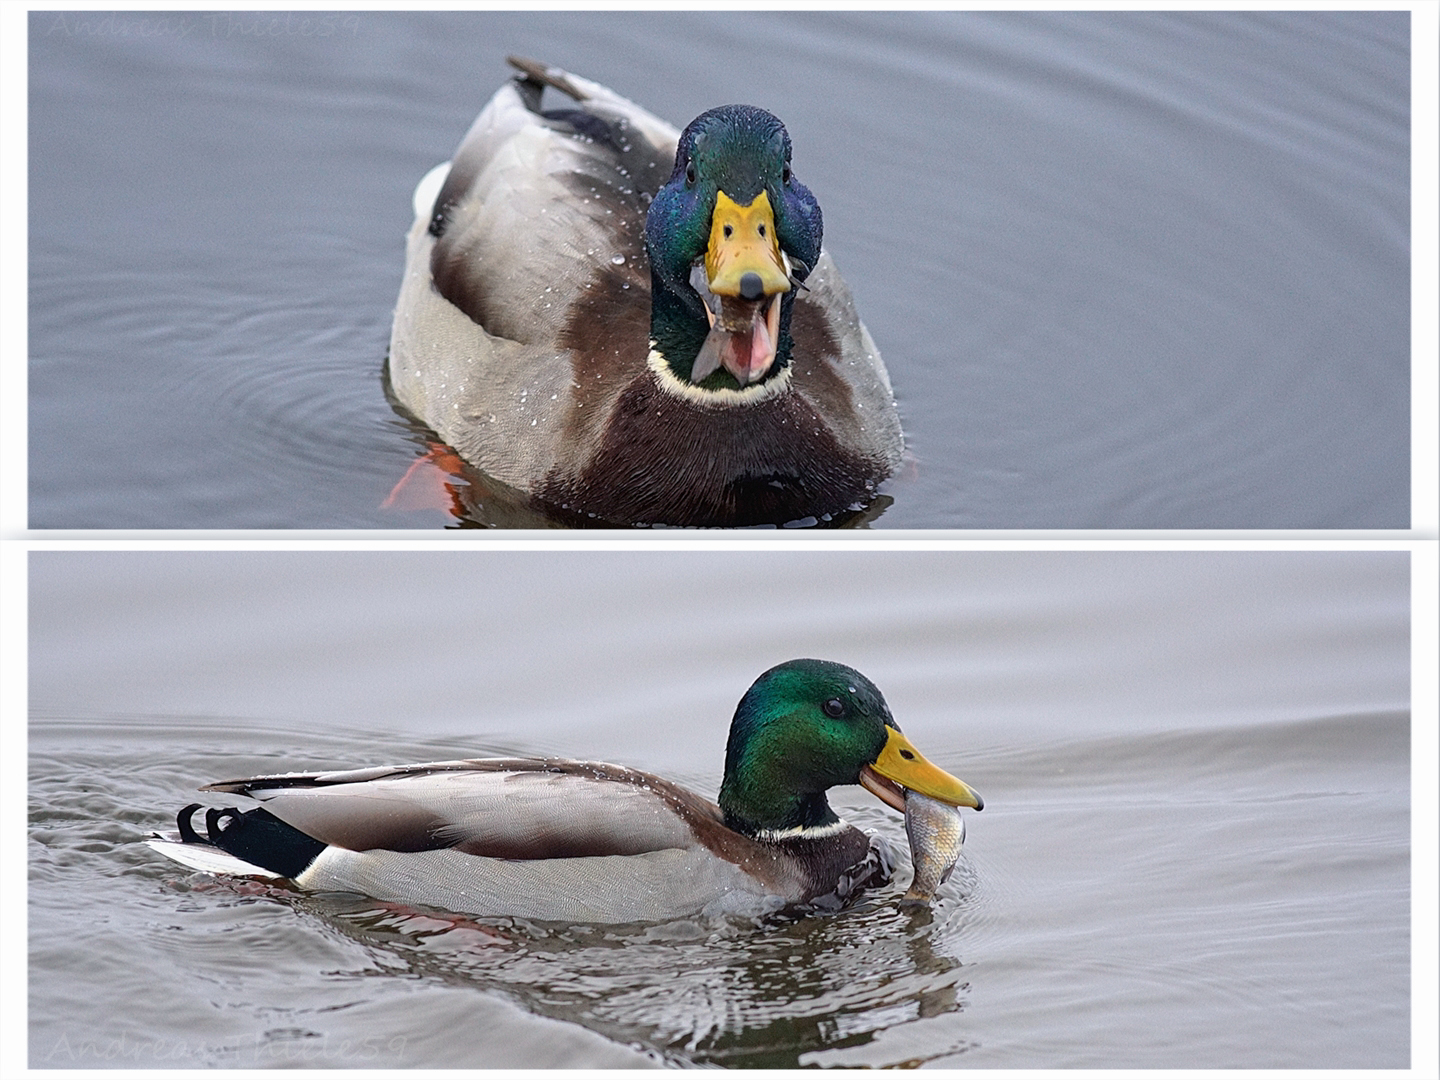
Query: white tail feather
{"x": 210, "y": 860}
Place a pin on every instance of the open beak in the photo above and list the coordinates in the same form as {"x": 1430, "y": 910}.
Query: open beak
{"x": 900, "y": 766}
{"x": 741, "y": 280}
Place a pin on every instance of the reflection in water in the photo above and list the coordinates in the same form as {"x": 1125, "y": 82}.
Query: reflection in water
{"x": 730, "y": 991}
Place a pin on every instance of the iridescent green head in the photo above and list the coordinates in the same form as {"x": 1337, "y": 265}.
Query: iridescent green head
{"x": 806, "y": 726}
{"x": 730, "y": 237}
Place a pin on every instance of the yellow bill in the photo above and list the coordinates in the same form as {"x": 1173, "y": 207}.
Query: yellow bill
{"x": 743, "y": 241}
{"x": 900, "y": 765}
{"x": 743, "y": 277}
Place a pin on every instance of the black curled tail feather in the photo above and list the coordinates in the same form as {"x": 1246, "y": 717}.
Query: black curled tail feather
{"x": 257, "y": 836}
{"x": 188, "y": 835}
{"x": 213, "y": 826}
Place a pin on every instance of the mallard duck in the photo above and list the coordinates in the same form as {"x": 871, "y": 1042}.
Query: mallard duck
{"x": 591, "y": 842}
{"x": 636, "y": 325}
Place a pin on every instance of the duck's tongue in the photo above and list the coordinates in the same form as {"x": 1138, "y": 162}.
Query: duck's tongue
{"x": 742, "y": 338}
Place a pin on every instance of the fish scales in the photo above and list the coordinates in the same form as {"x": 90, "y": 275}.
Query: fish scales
{"x": 937, "y": 832}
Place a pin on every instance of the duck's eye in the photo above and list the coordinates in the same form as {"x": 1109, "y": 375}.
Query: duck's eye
{"x": 834, "y": 708}
{"x": 690, "y": 173}
{"x": 729, "y": 231}
{"x": 762, "y": 230}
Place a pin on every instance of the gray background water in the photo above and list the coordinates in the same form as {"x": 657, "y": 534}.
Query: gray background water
{"x": 1127, "y": 269}
{"x": 1195, "y": 850}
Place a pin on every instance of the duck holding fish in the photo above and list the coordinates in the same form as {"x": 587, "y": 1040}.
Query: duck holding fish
{"x": 635, "y": 325}
{"x": 588, "y": 842}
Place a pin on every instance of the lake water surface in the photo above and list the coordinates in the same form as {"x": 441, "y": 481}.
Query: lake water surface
{"x": 1195, "y": 850}
{"x": 1128, "y": 270}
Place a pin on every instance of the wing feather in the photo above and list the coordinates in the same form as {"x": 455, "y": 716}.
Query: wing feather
{"x": 503, "y": 809}
{"x": 533, "y": 195}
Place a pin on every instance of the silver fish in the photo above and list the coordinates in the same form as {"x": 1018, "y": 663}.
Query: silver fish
{"x": 936, "y": 832}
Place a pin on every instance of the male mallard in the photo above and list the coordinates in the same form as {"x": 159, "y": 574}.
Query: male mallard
{"x": 632, "y": 349}
{"x": 589, "y": 842}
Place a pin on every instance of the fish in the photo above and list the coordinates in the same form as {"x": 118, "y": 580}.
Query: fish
{"x": 937, "y": 832}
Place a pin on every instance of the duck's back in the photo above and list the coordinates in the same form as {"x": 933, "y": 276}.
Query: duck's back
{"x": 536, "y": 213}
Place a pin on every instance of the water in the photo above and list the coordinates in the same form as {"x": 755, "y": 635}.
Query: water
{"x": 1126, "y": 269}
{"x": 1195, "y": 850}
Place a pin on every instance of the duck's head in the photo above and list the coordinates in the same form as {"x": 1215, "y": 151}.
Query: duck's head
{"x": 730, "y": 237}
{"x": 806, "y": 726}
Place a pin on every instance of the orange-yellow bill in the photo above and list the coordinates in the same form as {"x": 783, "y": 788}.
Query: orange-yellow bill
{"x": 900, "y": 765}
